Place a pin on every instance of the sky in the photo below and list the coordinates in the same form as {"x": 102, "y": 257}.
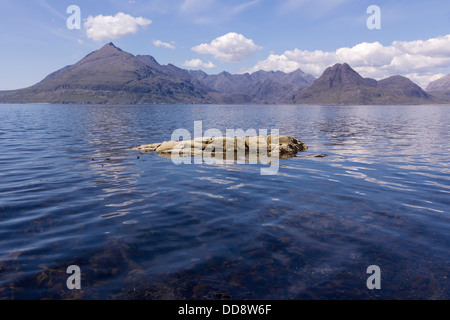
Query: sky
{"x": 411, "y": 38}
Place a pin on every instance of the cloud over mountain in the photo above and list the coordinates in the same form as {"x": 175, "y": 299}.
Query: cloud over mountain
{"x": 100, "y": 28}
{"x": 198, "y": 64}
{"x": 232, "y": 47}
{"x": 422, "y": 61}
{"x": 161, "y": 44}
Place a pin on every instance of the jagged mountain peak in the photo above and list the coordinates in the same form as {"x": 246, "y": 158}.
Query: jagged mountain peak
{"x": 341, "y": 84}
{"x": 107, "y": 50}
{"x": 341, "y": 74}
{"x": 111, "y": 75}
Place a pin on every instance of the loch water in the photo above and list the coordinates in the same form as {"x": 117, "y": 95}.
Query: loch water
{"x": 73, "y": 192}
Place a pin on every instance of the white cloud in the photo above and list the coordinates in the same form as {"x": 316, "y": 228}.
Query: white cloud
{"x": 160, "y": 44}
{"x": 421, "y": 60}
{"x": 198, "y": 64}
{"x": 425, "y": 79}
{"x": 231, "y": 47}
{"x": 101, "y": 27}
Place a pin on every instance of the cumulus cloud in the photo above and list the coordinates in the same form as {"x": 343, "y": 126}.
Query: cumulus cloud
{"x": 198, "y": 64}
{"x": 100, "y": 28}
{"x": 232, "y": 47}
{"x": 160, "y": 44}
{"x": 422, "y": 61}
{"x": 423, "y": 80}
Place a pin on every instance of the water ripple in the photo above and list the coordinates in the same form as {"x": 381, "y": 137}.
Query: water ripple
{"x": 137, "y": 224}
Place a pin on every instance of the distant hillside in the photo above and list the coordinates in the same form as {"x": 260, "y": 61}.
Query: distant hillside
{"x": 341, "y": 85}
{"x": 440, "y": 88}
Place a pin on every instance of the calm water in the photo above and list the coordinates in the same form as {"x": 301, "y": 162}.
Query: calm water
{"x": 73, "y": 193}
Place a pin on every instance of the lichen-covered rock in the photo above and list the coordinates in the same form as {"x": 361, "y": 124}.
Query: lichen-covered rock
{"x": 256, "y": 144}
{"x": 289, "y": 145}
{"x": 149, "y": 147}
{"x": 167, "y": 147}
{"x": 285, "y": 146}
{"x": 221, "y": 144}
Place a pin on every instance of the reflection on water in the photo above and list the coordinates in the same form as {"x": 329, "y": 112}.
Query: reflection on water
{"x": 73, "y": 193}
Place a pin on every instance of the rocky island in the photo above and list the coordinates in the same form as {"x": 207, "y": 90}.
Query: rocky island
{"x": 283, "y": 146}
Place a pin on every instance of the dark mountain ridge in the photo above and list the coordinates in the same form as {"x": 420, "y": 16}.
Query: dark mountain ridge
{"x": 110, "y": 76}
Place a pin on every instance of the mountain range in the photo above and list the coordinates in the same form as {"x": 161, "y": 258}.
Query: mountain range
{"x": 113, "y": 76}
{"x": 262, "y": 86}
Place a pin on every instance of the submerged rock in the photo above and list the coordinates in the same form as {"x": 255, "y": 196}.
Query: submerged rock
{"x": 285, "y": 146}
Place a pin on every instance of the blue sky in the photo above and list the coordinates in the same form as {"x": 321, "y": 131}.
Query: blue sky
{"x": 236, "y": 36}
